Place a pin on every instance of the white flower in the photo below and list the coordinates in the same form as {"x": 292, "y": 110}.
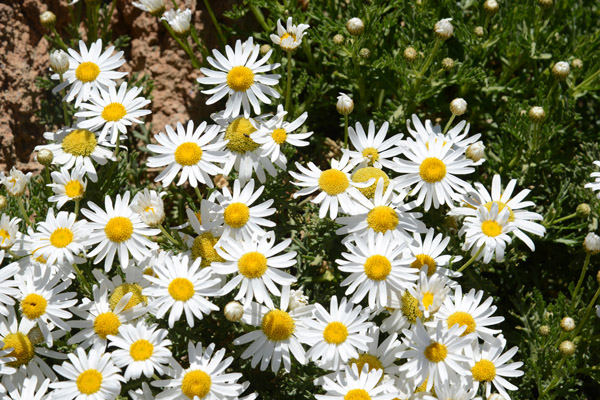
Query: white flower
{"x": 487, "y": 232}
{"x": 595, "y": 186}
{"x": 154, "y": 7}
{"x": 9, "y": 231}
{"x": 209, "y": 232}
{"x": 8, "y": 290}
{"x": 15, "y": 182}
{"x": 373, "y": 150}
{"x": 150, "y": 207}
{"x": 27, "y": 389}
{"x": 178, "y": 20}
{"x": 241, "y": 77}
{"x": 428, "y": 252}
{"x": 457, "y": 135}
{"x": 59, "y": 61}
{"x": 430, "y": 292}
{"x": 68, "y": 186}
{"x": 344, "y": 104}
{"x": 289, "y": 38}
{"x": 297, "y": 299}
{"x": 350, "y": 383}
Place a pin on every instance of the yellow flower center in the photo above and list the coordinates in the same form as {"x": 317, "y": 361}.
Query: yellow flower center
{"x": 423, "y": 387}
{"x": 238, "y": 133}
{"x": 122, "y": 290}
{"x": 107, "y": 324}
{"x": 382, "y": 219}
{"x": 188, "y": 153}
{"x": 432, "y": 170}
{"x": 204, "y": 247}
{"x": 277, "y": 325}
{"x": 410, "y": 308}
{"x": 501, "y": 207}
{"x": 236, "y": 215}
{"x": 377, "y": 267}
{"x": 33, "y": 306}
{"x": 462, "y": 319}
{"x": 89, "y": 381}
{"x": 61, "y": 237}
{"x": 364, "y": 174}
{"x": 74, "y": 189}
{"x": 424, "y": 259}
{"x": 252, "y": 265}
{"x": 368, "y": 359}
{"x": 333, "y": 182}
{"x": 4, "y": 235}
{"x": 279, "y": 135}
{"x": 357, "y": 394}
{"x": 196, "y": 383}
{"x": 427, "y": 300}
{"x": 141, "y": 350}
{"x": 240, "y": 78}
{"x": 118, "y": 229}
{"x": 23, "y": 349}
{"x": 491, "y": 228}
{"x": 80, "y": 142}
{"x": 335, "y": 333}
{"x": 87, "y": 72}
{"x": 372, "y": 154}
{"x": 114, "y": 112}
{"x": 287, "y": 35}
{"x": 436, "y": 352}
{"x": 484, "y": 370}
{"x": 181, "y": 289}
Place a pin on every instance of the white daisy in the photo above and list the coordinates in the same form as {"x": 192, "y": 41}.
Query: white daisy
{"x": 595, "y": 186}
{"x": 89, "y": 70}
{"x": 404, "y": 312}
{"x": 455, "y": 391}
{"x": 430, "y": 292}
{"x": 113, "y": 111}
{"x": 143, "y": 393}
{"x": 15, "y": 182}
{"x": 149, "y": 206}
{"x": 118, "y": 228}
{"x": 350, "y": 383}
{"x": 204, "y": 246}
{"x": 27, "y": 389}
{"x": 193, "y": 152}
{"x": 8, "y": 290}
{"x": 373, "y": 150}
{"x": 68, "y": 185}
{"x": 487, "y": 232}
{"x": 117, "y": 288}
{"x": 290, "y": 37}
{"x": 9, "y": 231}
{"x": 459, "y": 140}
{"x": 179, "y": 20}
{"x": 428, "y": 252}
{"x": 241, "y": 76}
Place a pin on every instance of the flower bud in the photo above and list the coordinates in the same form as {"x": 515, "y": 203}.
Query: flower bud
{"x": 3, "y": 202}
{"x": 447, "y": 63}
{"x": 591, "y": 243}
{"x": 47, "y": 19}
{"x": 544, "y": 330}
{"x": 597, "y": 275}
{"x": 561, "y": 70}
{"x": 344, "y": 105}
{"x": 577, "y": 63}
{"x": 410, "y": 54}
{"x": 155, "y": 7}
{"x": 297, "y": 299}
{"x": 338, "y": 39}
{"x": 491, "y": 7}
{"x": 35, "y": 335}
{"x": 355, "y": 26}
{"x": 179, "y": 21}
{"x": 583, "y": 210}
{"x": 566, "y": 348}
{"x": 59, "y": 62}
{"x": 444, "y": 29}
{"x": 45, "y": 157}
{"x": 265, "y": 48}
{"x": 496, "y": 396}
{"x": 475, "y": 152}
{"x": 567, "y": 324}
{"x": 545, "y": 3}
{"x": 364, "y": 53}
{"x": 479, "y": 32}
{"x": 233, "y": 311}
{"x": 458, "y": 106}
{"x": 537, "y": 114}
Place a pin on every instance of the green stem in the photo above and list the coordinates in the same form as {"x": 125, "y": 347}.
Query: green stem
{"x": 183, "y": 45}
{"x": 288, "y": 91}
{"x": 22, "y": 209}
{"x": 586, "y": 81}
{"x": 168, "y": 236}
{"x": 198, "y": 194}
{"x": 117, "y": 148}
{"x": 574, "y": 298}
{"x": 587, "y": 314}
{"x": 76, "y": 208}
{"x": 449, "y": 123}
{"x": 215, "y": 22}
{"x": 345, "y": 131}
{"x": 555, "y": 378}
{"x": 260, "y": 18}
{"x": 59, "y": 39}
{"x": 107, "y": 18}
{"x": 64, "y": 104}
{"x": 465, "y": 265}
{"x": 175, "y": 5}
{"x": 436, "y": 47}
{"x": 564, "y": 218}
{"x": 93, "y": 29}
{"x": 47, "y": 179}
{"x": 196, "y": 39}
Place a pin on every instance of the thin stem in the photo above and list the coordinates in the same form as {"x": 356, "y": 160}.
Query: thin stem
{"x": 465, "y": 265}
{"x": 561, "y": 219}
{"x": 587, "y": 314}
{"x": 554, "y": 380}
{"x": 175, "y": 5}
{"x": 586, "y": 81}
{"x": 215, "y": 22}
{"x": 184, "y": 46}
{"x": 288, "y": 91}
{"x": 22, "y": 209}
{"x": 93, "y": 30}
{"x": 345, "y": 131}
{"x": 260, "y": 18}
{"x": 59, "y": 39}
{"x": 76, "y": 208}
{"x": 574, "y": 298}
{"x": 118, "y": 146}
{"x": 449, "y": 123}
{"x": 198, "y": 194}
{"x": 436, "y": 47}
{"x": 168, "y": 236}
{"x": 64, "y": 104}
{"x": 107, "y": 18}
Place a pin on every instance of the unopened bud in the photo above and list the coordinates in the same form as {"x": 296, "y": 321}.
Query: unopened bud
{"x": 458, "y": 106}
{"x": 47, "y": 19}
{"x": 364, "y": 53}
{"x": 355, "y": 26}
{"x": 491, "y": 6}
{"x": 410, "y": 54}
{"x": 475, "y": 152}
{"x": 567, "y": 324}
{"x": 45, "y": 157}
{"x": 545, "y": 3}
{"x": 537, "y": 114}
{"x": 566, "y": 348}
{"x": 561, "y": 70}
{"x": 444, "y": 29}
{"x": 479, "y": 32}
{"x": 344, "y": 105}
{"x": 577, "y": 63}
{"x": 338, "y": 39}
{"x": 3, "y": 202}
{"x": 59, "y": 62}
{"x": 496, "y": 396}
{"x": 591, "y": 243}
{"x": 447, "y": 63}
{"x": 544, "y": 330}
{"x": 265, "y": 48}
{"x": 233, "y": 311}
{"x": 583, "y": 210}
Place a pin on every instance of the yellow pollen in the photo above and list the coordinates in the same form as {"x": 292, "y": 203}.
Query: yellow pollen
{"x": 196, "y": 383}
{"x": 462, "y": 318}
{"x": 436, "y": 352}
{"x": 252, "y": 265}
{"x": 181, "y": 289}
{"x": 432, "y": 170}
{"x": 23, "y": 349}
{"x": 364, "y": 174}
{"x": 357, "y": 394}
{"x": 278, "y": 325}
{"x": 80, "y": 142}
{"x": 89, "y": 381}
{"x": 422, "y": 387}
{"x": 204, "y": 247}
{"x": 287, "y": 35}
{"x": 484, "y": 370}
{"x": 368, "y": 359}
{"x": 491, "y": 228}
{"x": 87, "y": 72}
{"x": 199, "y": 217}
{"x": 501, "y": 206}
{"x": 141, "y": 350}
{"x": 279, "y": 135}
{"x": 4, "y": 235}
{"x": 236, "y": 215}
{"x": 40, "y": 259}
{"x": 118, "y": 229}
{"x": 410, "y": 308}
{"x": 372, "y": 154}
{"x": 74, "y": 189}
{"x": 188, "y": 153}
{"x": 427, "y": 300}
{"x": 114, "y": 112}
{"x": 33, "y": 306}
{"x": 333, "y": 182}
{"x": 107, "y": 324}
{"x": 424, "y": 259}
{"x": 240, "y": 78}
{"x": 377, "y": 267}
{"x": 122, "y": 290}
{"x": 238, "y": 133}
{"x": 61, "y": 237}
{"x": 382, "y": 219}
{"x": 335, "y": 333}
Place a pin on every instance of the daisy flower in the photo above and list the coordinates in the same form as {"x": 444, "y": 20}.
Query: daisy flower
{"x": 290, "y": 37}
{"x": 143, "y": 393}
{"x": 334, "y": 185}
{"x": 15, "y": 182}
{"x": 350, "y": 383}
{"x": 179, "y": 20}
{"x": 149, "y": 206}
{"x": 519, "y": 217}
{"x": 142, "y": 349}
{"x": 118, "y": 228}
{"x": 8, "y": 290}
{"x": 241, "y": 77}
{"x": 455, "y": 391}
{"x": 9, "y": 231}
{"x": 113, "y": 111}
{"x": 372, "y": 150}
{"x": 257, "y": 266}
{"x": 595, "y": 186}
{"x": 181, "y": 287}
{"x": 428, "y": 252}
{"x": 278, "y": 333}
{"x": 336, "y": 336}
{"x": 487, "y": 232}
{"x": 193, "y": 152}
{"x": 459, "y": 138}
{"x": 430, "y": 171}
{"x": 209, "y": 232}
{"x": 430, "y": 292}
{"x": 374, "y": 266}
{"x": 27, "y": 389}
{"x": 404, "y": 311}
{"x": 117, "y": 288}
{"x": 68, "y": 185}
{"x": 88, "y": 376}
{"x": 205, "y": 378}
{"x": 89, "y": 70}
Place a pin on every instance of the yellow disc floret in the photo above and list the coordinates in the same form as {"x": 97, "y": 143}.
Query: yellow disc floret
{"x": 74, "y": 189}
{"x": 364, "y": 174}
{"x": 432, "y": 170}
{"x": 196, "y": 383}
{"x": 462, "y": 319}
{"x": 491, "y": 228}
{"x": 107, "y": 324}
{"x": 204, "y": 247}
{"x": 236, "y": 215}
{"x": 79, "y": 142}
{"x": 436, "y": 352}
{"x": 181, "y": 289}
{"x": 87, "y": 71}
{"x": 240, "y": 78}
{"x": 335, "y": 333}
{"x": 377, "y": 267}
{"x": 333, "y": 182}
{"x": 279, "y": 135}
{"x": 501, "y": 207}
{"x": 424, "y": 259}
{"x": 89, "y": 381}
{"x": 357, "y": 394}
{"x": 252, "y": 265}
{"x": 188, "y": 153}
{"x": 118, "y": 229}
{"x": 372, "y": 154}
{"x": 34, "y": 306}
{"x": 141, "y": 350}
{"x": 277, "y": 325}
{"x": 23, "y": 349}
{"x": 122, "y": 290}
{"x": 410, "y": 307}
{"x": 382, "y": 219}
{"x": 427, "y": 300}
{"x": 484, "y": 370}
{"x": 238, "y": 133}
{"x": 114, "y": 112}
{"x": 366, "y": 359}
{"x": 61, "y": 237}
{"x": 4, "y": 235}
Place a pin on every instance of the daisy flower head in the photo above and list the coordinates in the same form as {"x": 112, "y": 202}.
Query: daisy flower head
{"x": 113, "y": 111}
{"x": 430, "y": 292}
{"x": 373, "y": 150}
{"x": 336, "y": 336}
{"x": 179, "y": 20}
{"x": 458, "y": 135}
{"x": 404, "y": 312}
{"x": 88, "y": 376}
{"x": 117, "y": 229}
{"x": 350, "y": 383}
{"x": 241, "y": 77}
{"x": 8, "y": 290}
{"x": 194, "y": 152}
{"x": 9, "y": 231}
{"x": 142, "y": 349}
{"x": 181, "y": 287}
{"x": 117, "y": 288}
{"x": 336, "y": 189}
{"x": 205, "y": 378}
{"x": 89, "y": 70}
{"x": 204, "y": 245}
{"x": 257, "y": 266}
{"x": 149, "y": 206}
{"x": 26, "y": 388}
{"x": 519, "y": 217}
{"x": 68, "y": 185}
{"x": 373, "y": 262}
{"x": 290, "y": 37}
{"x": 595, "y": 186}
{"x": 15, "y": 182}
{"x": 428, "y": 251}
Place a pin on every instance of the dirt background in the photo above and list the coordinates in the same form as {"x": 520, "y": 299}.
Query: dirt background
{"x": 24, "y": 56}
